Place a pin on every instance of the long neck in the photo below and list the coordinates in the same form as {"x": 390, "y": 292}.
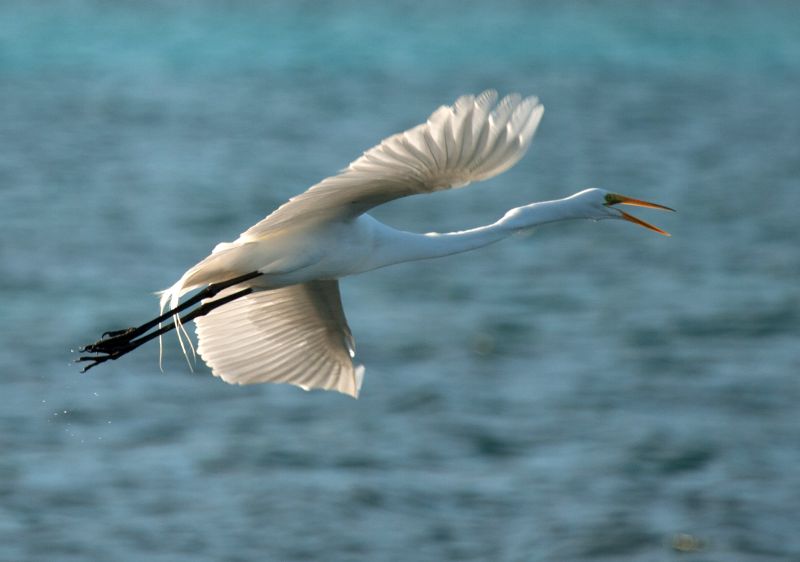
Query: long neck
{"x": 396, "y": 246}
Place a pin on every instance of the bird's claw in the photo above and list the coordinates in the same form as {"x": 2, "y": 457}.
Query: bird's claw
{"x": 111, "y": 341}
{"x": 111, "y": 345}
{"x": 94, "y": 360}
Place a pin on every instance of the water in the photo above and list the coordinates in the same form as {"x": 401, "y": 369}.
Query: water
{"x": 589, "y": 392}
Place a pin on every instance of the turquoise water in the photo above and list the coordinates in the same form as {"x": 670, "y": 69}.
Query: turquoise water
{"x": 593, "y": 391}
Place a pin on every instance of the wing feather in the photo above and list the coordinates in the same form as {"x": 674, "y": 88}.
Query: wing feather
{"x": 474, "y": 139}
{"x": 465, "y": 133}
{"x": 297, "y": 335}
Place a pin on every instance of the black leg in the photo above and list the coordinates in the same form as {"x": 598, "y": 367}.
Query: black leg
{"x": 117, "y": 338}
{"x": 117, "y": 343}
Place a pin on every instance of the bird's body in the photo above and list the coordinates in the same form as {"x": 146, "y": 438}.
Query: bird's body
{"x": 271, "y": 309}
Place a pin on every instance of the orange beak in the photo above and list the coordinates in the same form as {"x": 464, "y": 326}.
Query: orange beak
{"x": 615, "y": 199}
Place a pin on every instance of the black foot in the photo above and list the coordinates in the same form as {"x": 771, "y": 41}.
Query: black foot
{"x": 94, "y": 360}
{"x": 112, "y": 345}
{"x": 111, "y": 340}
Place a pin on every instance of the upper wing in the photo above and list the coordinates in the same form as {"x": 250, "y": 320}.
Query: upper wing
{"x": 473, "y": 139}
{"x": 296, "y": 334}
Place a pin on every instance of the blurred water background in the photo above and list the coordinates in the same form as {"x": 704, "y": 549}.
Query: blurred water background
{"x": 593, "y": 391}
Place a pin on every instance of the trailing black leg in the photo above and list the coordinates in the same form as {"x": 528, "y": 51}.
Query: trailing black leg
{"x": 117, "y": 343}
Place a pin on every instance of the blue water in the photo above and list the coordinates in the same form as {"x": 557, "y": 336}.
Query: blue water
{"x": 593, "y": 391}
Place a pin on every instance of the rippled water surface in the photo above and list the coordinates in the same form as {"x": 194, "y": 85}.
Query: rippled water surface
{"x": 592, "y": 391}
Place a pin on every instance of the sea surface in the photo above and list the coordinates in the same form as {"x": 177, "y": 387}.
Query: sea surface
{"x": 588, "y": 392}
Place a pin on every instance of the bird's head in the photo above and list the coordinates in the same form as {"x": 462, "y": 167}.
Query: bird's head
{"x": 599, "y": 204}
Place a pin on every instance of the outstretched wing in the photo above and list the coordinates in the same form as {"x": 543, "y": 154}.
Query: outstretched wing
{"x": 297, "y": 335}
{"x": 472, "y": 140}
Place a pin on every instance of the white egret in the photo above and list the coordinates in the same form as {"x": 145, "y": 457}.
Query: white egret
{"x": 269, "y": 309}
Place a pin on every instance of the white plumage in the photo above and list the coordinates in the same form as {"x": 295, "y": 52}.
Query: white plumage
{"x": 290, "y": 327}
{"x": 469, "y": 141}
{"x": 298, "y": 334}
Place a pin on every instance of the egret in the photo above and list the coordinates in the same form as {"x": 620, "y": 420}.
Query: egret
{"x": 268, "y": 307}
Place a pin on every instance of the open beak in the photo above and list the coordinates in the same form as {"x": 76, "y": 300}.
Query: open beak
{"x": 615, "y": 199}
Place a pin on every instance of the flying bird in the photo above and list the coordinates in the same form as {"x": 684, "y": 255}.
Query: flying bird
{"x": 268, "y": 307}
